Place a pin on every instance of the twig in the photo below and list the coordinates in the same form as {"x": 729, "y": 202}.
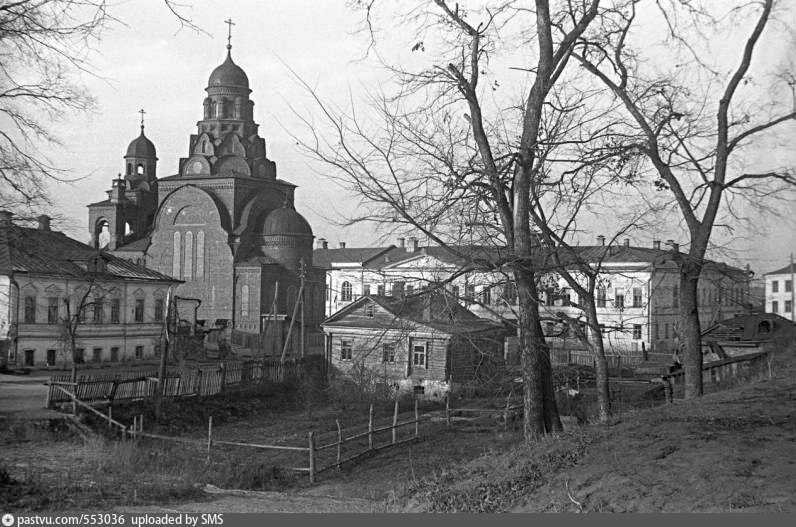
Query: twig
{"x": 573, "y": 500}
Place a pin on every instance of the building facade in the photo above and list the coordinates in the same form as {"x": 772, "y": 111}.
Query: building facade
{"x": 637, "y": 292}
{"x": 45, "y": 279}
{"x": 225, "y": 225}
{"x": 780, "y": 295}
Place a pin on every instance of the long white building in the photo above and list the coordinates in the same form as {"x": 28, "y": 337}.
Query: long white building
{"x": 780, "y": 295}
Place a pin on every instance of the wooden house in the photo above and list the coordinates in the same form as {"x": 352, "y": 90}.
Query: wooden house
{"x": 422, "y": 343}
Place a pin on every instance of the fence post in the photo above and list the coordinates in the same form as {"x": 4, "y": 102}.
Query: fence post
{"x": 370, "y": 427}
{"x": 339, "y": 442}
{"x": 506, "y": 412}
{"x": 49, "y": 396}
{"x": 667, "y": 389}
{"x": 223, "y": 377}
{"x": 209, "y": 436}
{"x": 394, "y": 420}
{"x": 312, "y": 456}
{"x": 448, "y": 409}
{"x": 110, "y": 416}
{"x": 141, "y": 423}
{"x": 198, "y": 388}
{"x": 417, "y": 421}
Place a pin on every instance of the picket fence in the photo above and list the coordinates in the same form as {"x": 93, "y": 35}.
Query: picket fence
{"x": 199, "y": 381}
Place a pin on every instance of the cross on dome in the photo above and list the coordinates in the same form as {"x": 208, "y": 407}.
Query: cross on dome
{"x": 230, "y": 23}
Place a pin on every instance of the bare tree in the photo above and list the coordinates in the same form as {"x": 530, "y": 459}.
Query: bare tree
{"x": 454, "y": 163}
{"x": 694, "y": 125}
{"x": 45, "y": 46}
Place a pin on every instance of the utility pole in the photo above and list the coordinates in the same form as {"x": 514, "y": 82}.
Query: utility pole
{"x": 160, "y": 391}
{"x": 302, "y": 294}
{"x": 295, "y": 311}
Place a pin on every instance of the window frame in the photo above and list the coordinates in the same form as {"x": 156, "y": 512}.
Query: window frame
{"x": 30, "y": 309}
{"x": 388, "y": 353}
{"x": 138, "y": 310}
{"x": 346, "y": 291}
{"x": 416, "y": 344}
{"x": 346, "y": 349}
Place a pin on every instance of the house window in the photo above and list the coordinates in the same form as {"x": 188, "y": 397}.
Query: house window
{"x": 774, "y": 306}
{"x": 550, "y": 296}
{"x": 30, "y": 310}
{"x": 666, "y": 331}
{"x": 619, "y": 298}
{"x": 419, "y": 390}
{"x": 244, "y": 301}
{"x": 29, "y": 355}
{"x": 455, "y": 291}
{"x": 388, "y": 352}
{"x": 159, "y": 309}
{"x": 788, "y": 286}
{"x": 346, "y": 349}
{"x": 549, "y": 328}
{"x": 346, "y": 293}
{"x": 52, "y": 310}
{"x": 486, "y": 295}
{"x": 51, "y": 357}
{"x": 366, "y": 289}
{"x": 115, "y": 354}
{"x": 600, "y": 297}
{"x": 637, "y": 331}
{"x": 98, "y": 312}
{"x": 139, "y": 352}
{"x": 139, "y": 310}
{"x": 115, "y": 308}
{"x": 636, "y": 297}
{"x": 788, "y": 306}
{"x": 397, "y": 289}
{"x": 657, "y": 328}
{"x": 380, "y": 290}
{"x": 370, "y": 310}
{"x": 775, "y": 286}
{"x": 469, "y": 292}
{"x": 410, "y": 289}
{"x": 96, "y": 355}
{"x": 419, "y": 354}
{"x": 79, "y": 355}
{"x": 81, "y": 316}
{"x": 565, "y": 297}
{"x": 676, "y": 296}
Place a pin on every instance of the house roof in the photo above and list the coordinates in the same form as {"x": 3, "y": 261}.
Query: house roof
{"x": 788, "y": 269}
{"x": 747, "y": 328}
{"x": 434, "y": 309}
{"x": 45, "y": 252}
{"x": 140, "y": 244}
{"x": 485, "y": 257}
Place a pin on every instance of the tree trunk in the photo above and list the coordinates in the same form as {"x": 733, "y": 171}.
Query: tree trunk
{"x": 540, "y": 411}
{"x": 595, "y": 339}
{"x": 690, "y": 330}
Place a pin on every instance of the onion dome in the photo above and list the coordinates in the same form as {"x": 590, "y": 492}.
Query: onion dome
{"x": 141, "y": 146}
{"x": 286, "y": 222}
{"x": 229, "y": 75}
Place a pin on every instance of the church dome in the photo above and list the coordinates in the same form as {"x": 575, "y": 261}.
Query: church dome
{"x": 141, "y": 146}
{"x": 286, "y": 221}
{"x": 229, "y": 75}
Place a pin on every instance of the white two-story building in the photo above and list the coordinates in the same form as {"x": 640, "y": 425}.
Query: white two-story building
{"x": 780, "y": 295}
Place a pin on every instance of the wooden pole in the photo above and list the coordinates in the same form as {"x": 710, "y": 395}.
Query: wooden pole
{"x": 110, "y": 415}
{"x": 448, "y": 409}
{"x": 302, "y": 275}
{"x": 506, "y": 412}
{"x": 141, "y": 423}
{"x": 160, "y": 392}
{"x": 209, "y": 436}
{"x": 394, "y": 420}
{"x": 339, "y": 442}
{"x": 312, "y": 456}
{"x": 417, "y": 421}
{"x": 48, "y": 398}
{"x": 370, "y": 428}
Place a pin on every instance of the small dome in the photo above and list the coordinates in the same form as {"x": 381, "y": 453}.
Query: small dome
{"x": 141, "y": 147}
{"x": 286, "y": 221}
{"x": 228, "y": 74}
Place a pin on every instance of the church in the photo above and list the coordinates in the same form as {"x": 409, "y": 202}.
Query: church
{"x": 225, "y": 224}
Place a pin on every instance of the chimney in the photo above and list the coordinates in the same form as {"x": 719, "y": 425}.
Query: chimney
{"x": 5, "y": 217}
{"x": 600, "y": 240}
{"x": 656, "y": 244}
{"x": 627, "y": 242}
{"x": 44, "y": 222}
{"x": 401, "y": 242}
{"x": 322, "y": 243}
{"x": 675, "y": 246}
{"x": 342, "y": 245}
{"x": 412, "y": 245}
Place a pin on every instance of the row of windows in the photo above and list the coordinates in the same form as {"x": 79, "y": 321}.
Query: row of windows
{"x": 419, "y": 352}
{"x": 187, "y": 261}
{"x": 563, "y": 330}
{"x": 788, "y": 306}
{"x": 57, "y": 312}
{"x": 28, "y": 355}
{"x": 775, "y": 286}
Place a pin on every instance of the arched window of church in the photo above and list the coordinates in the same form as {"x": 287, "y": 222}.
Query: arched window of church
{"x": 175, "y": 257}
{"x": 244, "y": 301}
{"x": 188, "y": 267}
{"x": 200, "y": 254}
{"x": 139, "y": 169}
{"x": 346, "y": 293}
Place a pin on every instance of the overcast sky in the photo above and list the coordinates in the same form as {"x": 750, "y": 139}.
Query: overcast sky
{"x": 150, "y": 63}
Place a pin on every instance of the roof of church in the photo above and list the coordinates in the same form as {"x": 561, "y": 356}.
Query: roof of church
{"x": 36, "y": 251}
{"x": 140, "y": 244}
{"x": 228, "y": 74}
{"x": 286, "y": 221}
{"x": 141, "y": 146}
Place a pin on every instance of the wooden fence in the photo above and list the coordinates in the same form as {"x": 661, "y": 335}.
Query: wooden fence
{"x": 755, "y": 365}
{"x": 559, "y": 357}
{"x": 201, "y": 381}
